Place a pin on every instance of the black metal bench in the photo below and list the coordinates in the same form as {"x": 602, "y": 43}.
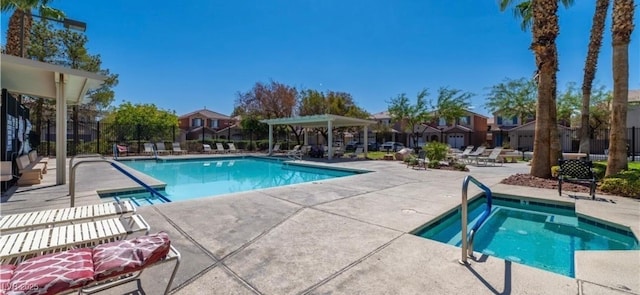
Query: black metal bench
{"x": 573, "y": 170}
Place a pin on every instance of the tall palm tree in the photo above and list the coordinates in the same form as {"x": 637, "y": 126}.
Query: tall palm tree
{"x": 621, "y": 28}
{"x": 590, "y": 65}
{"x": 21, "y": 21}
{"x": 542, "y": 16}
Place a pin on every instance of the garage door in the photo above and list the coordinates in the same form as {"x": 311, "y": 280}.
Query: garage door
{"x": 455, "y": 140}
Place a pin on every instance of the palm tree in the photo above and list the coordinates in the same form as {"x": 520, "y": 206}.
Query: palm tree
{"x": 21, "y": 21}
{"x": 621, "y": 28}
{"x": 595, "y": 42}
{"x": 542, "y": 16}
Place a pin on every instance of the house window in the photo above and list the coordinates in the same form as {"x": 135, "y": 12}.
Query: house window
{"x": 465, "y": 120}
{"x": 196, "y": 122}
{"x": 213, "y": 123}
{"x": 499, "y": 120}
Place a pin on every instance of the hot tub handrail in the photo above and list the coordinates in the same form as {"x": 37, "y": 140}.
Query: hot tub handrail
{"x": 467, "y": 244}
{"x": 81, "y": 156}
{"x": 72, "y": 179}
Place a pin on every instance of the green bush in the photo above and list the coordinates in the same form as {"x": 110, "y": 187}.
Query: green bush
{"x": 460, "y": 166}
{"x": 625, "y": 183}
{"x": 436, "y": 152}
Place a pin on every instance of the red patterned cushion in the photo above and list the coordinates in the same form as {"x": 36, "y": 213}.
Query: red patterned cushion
{"x": 53, "y": 273}
{"x": 6, "y": 272}
{"x": 121, "y": 257}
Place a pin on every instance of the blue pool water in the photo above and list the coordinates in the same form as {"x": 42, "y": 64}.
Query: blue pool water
{"x": 536, "y": 234}
{"x": 190, "y": 179}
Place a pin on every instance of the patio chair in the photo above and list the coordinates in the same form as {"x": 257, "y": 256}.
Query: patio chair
{"x": 493, "y": 157}
{"x": 161, "y": 149}
{"x": 206, "y": 149}
{"x": 359, "y": 151}
{"x": 295, "y": 153}
{"x": 149, "y": 149}
{"x": 6, "y": 171}
{"x": 177, "y": 149}
{"x": 472, "y": 157}
{"x": 22, "y": 245}
{"x": 121, "y": 150}
{"x": 30, "y": 173}
{"x": 465, "y": 153}
{"x": 220, "y": 148}
{"x": 577, "y": 171}
{"x": 48, "y": 218}
{"x": 422, "y": 160}
{"x": 89, "y": 269}
{"x": 232, "y": 147}
{"x": 34, "y": 158}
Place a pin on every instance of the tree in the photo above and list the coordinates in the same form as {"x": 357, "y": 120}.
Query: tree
{"x": 410, "y": 116}
{"x": 451, "y": 104}
{"x": 568, "y": 104}
{"x": 590, "y": 66}
{"x": 313, "y": 102}
{"x": 543, "y": 18}
{"x": 21, "y": 21}
{"x": 253, "y": 124}
{"x": 513, "y": 98}
{"x": 144, "y": 121}
{"x": 621, "y": 29}
{"x": 269, "y": 101}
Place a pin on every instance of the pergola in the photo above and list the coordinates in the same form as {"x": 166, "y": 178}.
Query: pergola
{"x": 328, "y": 121}
{"x": 65, "y": 85}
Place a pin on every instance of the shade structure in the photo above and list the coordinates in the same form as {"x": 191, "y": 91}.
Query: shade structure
{"x": 327, "y": 120}
{"x": 39, "y": 79}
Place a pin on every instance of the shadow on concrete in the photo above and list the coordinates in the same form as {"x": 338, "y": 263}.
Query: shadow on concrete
{"x": 506, "y": 288}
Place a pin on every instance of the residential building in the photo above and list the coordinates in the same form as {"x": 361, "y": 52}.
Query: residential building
{"x": 203, "y": 123}
{"x": 469, "y": 129}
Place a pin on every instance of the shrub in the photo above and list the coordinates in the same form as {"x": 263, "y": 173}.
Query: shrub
{"x": 460, "y": 166}
{"x": 554, "y": 171}
{"x": 625, "y": 183}
{"x": 436, "y": 152}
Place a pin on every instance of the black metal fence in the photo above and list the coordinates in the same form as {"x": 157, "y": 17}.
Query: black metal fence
{"x": 570, "y": 142}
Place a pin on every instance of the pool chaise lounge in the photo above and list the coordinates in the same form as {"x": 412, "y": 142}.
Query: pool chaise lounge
{"x": 19, "y": 246}
{"x": 45, "y": 218}
{"x": 90, "y": 269}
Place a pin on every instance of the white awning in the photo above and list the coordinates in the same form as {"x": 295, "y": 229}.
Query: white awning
{"x": 39, "y": 79}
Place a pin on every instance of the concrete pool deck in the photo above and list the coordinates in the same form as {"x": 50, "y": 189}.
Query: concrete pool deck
{"x": 349, "y": 235}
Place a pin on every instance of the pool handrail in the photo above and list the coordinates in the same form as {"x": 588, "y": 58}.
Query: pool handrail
{"x": 81, "y": 156}
{"x": 72, "y": 180}
{"x": 467, "y": 244}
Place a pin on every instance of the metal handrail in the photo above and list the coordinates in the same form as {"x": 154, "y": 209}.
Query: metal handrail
{"x": 81, "y": 156}
{"x": 467, "y": 245}
{"x": 72, "y": 180}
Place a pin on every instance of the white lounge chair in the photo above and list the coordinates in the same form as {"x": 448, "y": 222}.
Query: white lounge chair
{"x": 295, "y": 153}
{"x": 359, "y": 151}
{"x": 161, "y": 149}
{"x": 177, "y": 149}
{"x": 232, "y": 147}
{"x": 18, "y": 246}
{"x": 48, "y": 218}
{"x": 493, "y": 157}
{"x": 220, "y": 148}
{"x": 472, "y": 157}
{"x": 206, "y": 149}
{"x": 276, "y": 148}
{"x": 465, "y": 153}
{"x": 149, "y": 149}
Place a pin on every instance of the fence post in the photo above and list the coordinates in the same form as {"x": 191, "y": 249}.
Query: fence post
{"x": 633, "y": 144}
{"x": 138, "y": 136}
{"x": 202, "y": 134}
{"x": 48, "y": 137}
{"x": 173, "y": 129}
{"x": 98, "y": 137}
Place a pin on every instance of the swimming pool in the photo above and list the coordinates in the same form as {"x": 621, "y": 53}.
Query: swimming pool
{"x": 537, "y": 234}
{"x": 196, "y": 178}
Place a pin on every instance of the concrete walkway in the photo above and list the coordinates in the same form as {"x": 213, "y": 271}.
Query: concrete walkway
{"x": 349, "y": 235}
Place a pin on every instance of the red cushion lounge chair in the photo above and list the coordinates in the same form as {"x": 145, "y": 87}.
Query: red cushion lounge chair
{"x": 90, "y": 269}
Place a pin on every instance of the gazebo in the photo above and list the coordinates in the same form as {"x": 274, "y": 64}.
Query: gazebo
{"x": 65, "y": 85}
{"x": 327, "y": 120}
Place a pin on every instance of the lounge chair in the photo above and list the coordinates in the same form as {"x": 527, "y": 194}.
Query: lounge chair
{"x": 493, "y": 158}
{"x": 220, "y": 148}
{"x": 465, "y": 153}
{"x": 120, "y": 150}
{"x": 90, "y": 269}
{"x": 22, "y": 245}
{"x": 206, "y": 149}
{"x": 276, "y": 148}
{"x": 149, "y": 149}
{"x": 295, "y": 153}
{"x": 47, "y": 218}
{"x": 6, "y": 171}
{"x": 30, "y": 173}
{"x": 472, "y": 157}
{"x": 359, "y": 151}
{"x": 161, "y": 149}
{"x": 34, "y": 158}
{"x": 177, "y": 149}
{"x": 232, "y": 147}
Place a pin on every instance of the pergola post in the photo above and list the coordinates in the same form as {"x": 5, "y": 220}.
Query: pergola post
{"x": 270, "y": 139}
{"x": 306, "y": 136}
{"x": 366, "y": 140}
{"x": 61, "y": 129}
{"x": 330, "y": 137}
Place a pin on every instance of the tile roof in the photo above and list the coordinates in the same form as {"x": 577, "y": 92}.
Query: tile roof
{"x": 207, "y": 113}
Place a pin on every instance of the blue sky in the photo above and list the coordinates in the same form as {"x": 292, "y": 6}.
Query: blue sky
{"x": 193, "y": 54}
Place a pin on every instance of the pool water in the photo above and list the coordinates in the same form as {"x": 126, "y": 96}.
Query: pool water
{"x": 190, "y": 179}
{"x": 532, "y": 233}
